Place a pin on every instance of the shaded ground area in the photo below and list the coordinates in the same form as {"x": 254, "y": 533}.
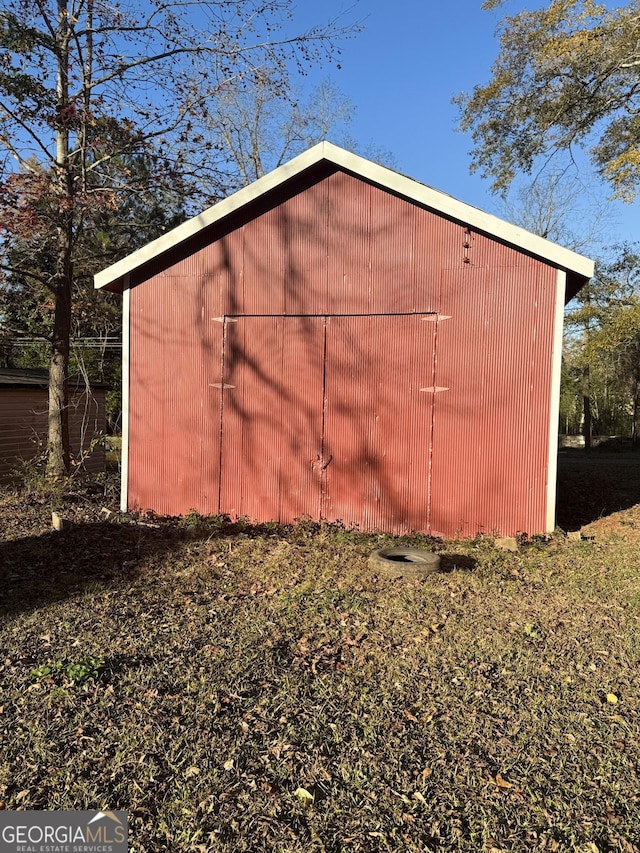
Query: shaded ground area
{"x": 600, "y": 489}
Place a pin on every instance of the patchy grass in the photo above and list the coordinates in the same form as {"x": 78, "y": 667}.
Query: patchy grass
{"x": 240, "y": 688}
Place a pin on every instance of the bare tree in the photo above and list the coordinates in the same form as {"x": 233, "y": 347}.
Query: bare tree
{"x": 560, "y": 207}
{"x": 261, "y": 126}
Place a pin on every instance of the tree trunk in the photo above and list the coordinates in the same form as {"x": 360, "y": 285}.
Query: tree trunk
{"x": 586, "y": 402}
{"x": 58, "y": 445}
{"x": 58, "y": 451}
{"x": 58, "y": 457}
{"x": 636, "y": 415}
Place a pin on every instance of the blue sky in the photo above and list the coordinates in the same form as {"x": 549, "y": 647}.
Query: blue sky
{"x": 401, "y": 73}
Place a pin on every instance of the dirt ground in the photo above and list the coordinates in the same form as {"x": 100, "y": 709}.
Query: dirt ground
{"x": 599, "y": 493}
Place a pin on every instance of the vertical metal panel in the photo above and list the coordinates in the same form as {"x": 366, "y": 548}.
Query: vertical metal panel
{"x": 272, "y": 418}
{"x": 145, "y": 403}
{"x": 220, "y": 276}
{"x": 437, "y": 245}
{"x": 391, "y": 254}
{"x": 170, "y": 372}
{"x": 306, "y": 274}
{"x": 211, "y": 353}
{"x": 348, "y": 258}
{"x": 230, "y": 272}
{"x": 490, "y": 443}
{"x": 378, "y": 422}
{"x": 285, "y": 256}
{"x": 264, "y": 263}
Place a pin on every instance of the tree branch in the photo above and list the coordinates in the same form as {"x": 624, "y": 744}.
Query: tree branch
{"x": 24, "y": 272}
{"x": 32, "y": 135}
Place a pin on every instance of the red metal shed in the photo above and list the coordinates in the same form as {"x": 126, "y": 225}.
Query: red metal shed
{"x": 340, "y": 342}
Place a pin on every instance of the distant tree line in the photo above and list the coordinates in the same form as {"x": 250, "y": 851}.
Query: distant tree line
{"x": 601, "y": 362}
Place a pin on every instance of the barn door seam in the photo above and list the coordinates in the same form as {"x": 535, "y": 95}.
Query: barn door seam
{"x": 323, "y": 467}
{"x": 222, "y": 395}
{"x": 432, "y": 424}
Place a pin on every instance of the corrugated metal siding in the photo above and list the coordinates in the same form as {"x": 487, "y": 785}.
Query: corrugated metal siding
{"x": 174, "y": 411}
{"x": 24, "y": 425}
{"x": 272, "y": 418}
{"x": 391, "y": 254}
{"x": 378, "y": 421}
{"x": 490, "y": 448}
{"x": 348, "y": 240}
{"x": 344, "y": 247}
{"x": 324, "y": 417}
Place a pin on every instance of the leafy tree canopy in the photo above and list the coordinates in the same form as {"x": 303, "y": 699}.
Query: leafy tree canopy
{"x": 567, "y": 75}
{"x": 601, "y": 363}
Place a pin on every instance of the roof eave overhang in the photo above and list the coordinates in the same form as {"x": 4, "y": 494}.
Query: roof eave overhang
{"x": 573, "y": 284}
{"x": 113, "y": 278}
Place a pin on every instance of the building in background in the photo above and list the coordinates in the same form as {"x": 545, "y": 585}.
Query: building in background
{"x": 24, "y": 404}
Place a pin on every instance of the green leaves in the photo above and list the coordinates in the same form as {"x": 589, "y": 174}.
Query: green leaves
{"x": 18, "y": 37}
{"x": 74, "y": 672}
{"x": 602, "y": 343}
{"x": 566, "y": 75}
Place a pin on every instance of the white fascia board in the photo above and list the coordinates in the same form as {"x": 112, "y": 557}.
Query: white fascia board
{"x": 124, "y": 449}
{"x": 387, "y": 179}
{"x": 554, "y": 403}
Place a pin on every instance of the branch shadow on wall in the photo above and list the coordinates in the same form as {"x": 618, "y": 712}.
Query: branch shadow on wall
{"x": 306, "y": 399}
{"x": 240, "y": 420}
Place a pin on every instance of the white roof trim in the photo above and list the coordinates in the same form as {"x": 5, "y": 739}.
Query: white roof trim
{"x": 387, "y": 179}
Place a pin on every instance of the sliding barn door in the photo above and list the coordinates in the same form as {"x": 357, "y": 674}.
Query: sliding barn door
{"x": 271, "y": 425}
{"x": 329, "y": 417}
{"x": 378, "y": 420}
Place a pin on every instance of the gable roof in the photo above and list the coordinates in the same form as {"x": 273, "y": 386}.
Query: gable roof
{"x": 580, "y": 268}
{"x": 24, "y": 376}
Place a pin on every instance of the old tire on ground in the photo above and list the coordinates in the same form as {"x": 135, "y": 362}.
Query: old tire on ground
{"x": 405, "y": 562}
